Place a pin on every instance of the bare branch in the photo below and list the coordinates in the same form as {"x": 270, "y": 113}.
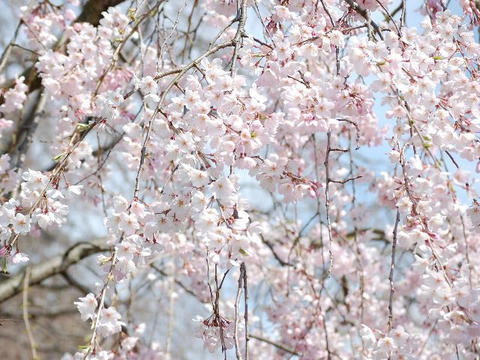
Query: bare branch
{"x": 28, "y": 328}
{"x": 277, "y": 345}
{"x": 53, "y": 266}
{"x": 243, "y": 272}
{"x": 392, "y": 268}
{"x": 235, "y": 329}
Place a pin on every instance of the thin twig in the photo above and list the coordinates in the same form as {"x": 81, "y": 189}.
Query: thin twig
{"x": 329, "y": 228}
{"x": 327, "y": 201}
{"x": 451, "y": 158}
{"x": 389, "y": 16}
{"x": 275, "y": 344}
{"x": 8, "y": 49}
{"x": 243, "y": 270}
{"x": 33, "y": 344}
{"x": 178, "y": 282}
{"x": 171, "y": 314}
{"x": 235, "y": 329}
{"x": 275, "y": 255}
{"x": 392, "y": 269}
{"x": 239, "y": 34}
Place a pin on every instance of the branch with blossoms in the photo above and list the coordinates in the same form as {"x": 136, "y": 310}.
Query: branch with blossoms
{"x": 330, "y": 148}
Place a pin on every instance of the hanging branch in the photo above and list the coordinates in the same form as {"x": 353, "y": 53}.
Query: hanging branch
{"x": 392, "y": 268}
{"x": 243, "y": 270}
{"x": 28, "y": 328}
{"x": 327, "y": 201}
{"x": 240, "y": 32}
{"x": 237, "y": 303}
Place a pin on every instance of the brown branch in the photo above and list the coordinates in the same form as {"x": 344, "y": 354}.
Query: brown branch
{"x": 74, "y": 283}
{"x": 346, "y": 180}
{"x": 275, "y": 344}
{"x": 178, "y": 282}
{"x": 27, "y": 129}
{"x": 28, "y": 328}
{"x": 328, "y": 180}
{"x": 392, "y": 268}
{"x": 451, "y": 158}
{"x": 92, "y": 11}
{"x": 235, "y": 329}
{"x": 275, "y": 255}
{"x": 390, "y": 17}
{"x": 8, "y": 49}
{"x": 364, "y": 13}
{"x": 53, "y": 266}
{"x": 243, "y": 273}
{"x": 240, "y": 32}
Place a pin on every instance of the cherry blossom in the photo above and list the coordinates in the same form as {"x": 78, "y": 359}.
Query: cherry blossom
{"x": 305, "y": 171}
{"x": 87, "y": 306}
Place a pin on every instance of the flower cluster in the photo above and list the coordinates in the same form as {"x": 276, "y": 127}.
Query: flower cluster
{"x": 327, "y": 166}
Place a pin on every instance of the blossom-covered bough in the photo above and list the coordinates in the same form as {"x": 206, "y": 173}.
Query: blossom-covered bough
{"x": 306, "y": 169}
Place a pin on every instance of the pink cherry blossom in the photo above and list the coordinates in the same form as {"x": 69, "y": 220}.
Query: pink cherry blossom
{"x": 297, "y": 176}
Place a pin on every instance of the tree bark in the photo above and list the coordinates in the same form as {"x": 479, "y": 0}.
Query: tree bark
{"x": 92, "y": 11}
{"x": 53, "y": 266}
